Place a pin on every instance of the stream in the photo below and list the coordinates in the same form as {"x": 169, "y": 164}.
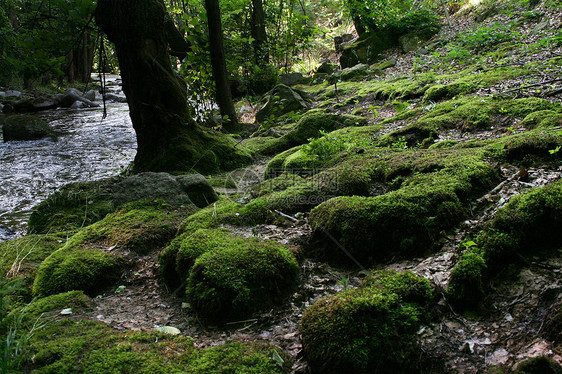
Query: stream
{"x": 88, "y": 148}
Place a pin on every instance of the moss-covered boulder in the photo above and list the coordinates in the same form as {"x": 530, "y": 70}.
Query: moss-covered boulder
{"x": 139, "y": 227}
{"x": 74, "y": 206}
{"x": 369, "y": 329}
{"x": 90, "y": 270}
{"x": 25, "y": 127}
{"x": 310, "y": 125}
{"x": 529, "y": 225}
{"x": 94, "y": 257}
{"x": 465, "y": 289}
{"x": 179, "y": 190}
{"x": 366, "y": 49}
{"x": 281, "y": 100}
{"x": 415, "y": 39}
{"x": 228, "y": 276}
{"x": 232, "y": 277}
{"x": 429, "y": 190}
{"x": 68, "y": 346}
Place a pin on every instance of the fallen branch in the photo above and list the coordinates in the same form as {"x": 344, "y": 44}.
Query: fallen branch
{"x": 533, "y": 85}
{"x": 291, "y": 218}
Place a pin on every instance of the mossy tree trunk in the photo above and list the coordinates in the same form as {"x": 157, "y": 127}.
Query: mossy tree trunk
{"x": 156, "y": 95}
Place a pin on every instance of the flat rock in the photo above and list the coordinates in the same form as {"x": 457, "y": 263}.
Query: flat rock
{"x": 25, "y": 127}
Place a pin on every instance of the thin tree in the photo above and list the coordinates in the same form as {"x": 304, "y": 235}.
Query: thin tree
{"x": 218, "y": 63}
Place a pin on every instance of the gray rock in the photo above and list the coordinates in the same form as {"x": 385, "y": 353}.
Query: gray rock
{"x": 77, "y": 105}
{"x": 26, "y": 127}
{"x": 290, "y": 79}
{"x": 340, "y": 41}
{"x": 414, "y": 40}
{"x": 66, "y": 100}
{"x": 116, "y": 98}
{"x": 326, "y": 68}
{"x": 356, "y": 72}
{"x": 281, "y": 100}
{"x": 12, "y": 93}
{"x": 90, "y": 95}
{"x": 365, "y": 50}
{"x": 199, "y": 190}
{"x": 148, "y": 186}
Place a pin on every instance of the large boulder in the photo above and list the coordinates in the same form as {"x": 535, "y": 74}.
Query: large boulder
{"x": 290, "y": 79}
{"x": 341, "y": 40}
{"x": 414, "y": 40}
{"x": 281, "y": 100}
{"x": 199, "y": 190}
{"x": 25, "y": 127}
{"x": 71, "y": 96}
{"x": 177, "y": 191}
{"x": 365, "y": 50}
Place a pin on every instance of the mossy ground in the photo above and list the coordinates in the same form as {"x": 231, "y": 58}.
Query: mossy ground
{"x": 69, "y": 346}
{"x": 368, "y": 329}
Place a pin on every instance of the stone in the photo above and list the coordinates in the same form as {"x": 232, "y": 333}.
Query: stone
{"x": 72, "y": 95}
{"x": 281, "y": 100}
{"x": 12, "y": 93}
{"x": 341, "y": 40}
{"x": 355, "y": 73}
{"x": 90, "y": 95}
{"x": 290, "y": 79}
{"x": 326, "y": 68}
{"x": 413, "y": 40}
{"x": 150, "y": 186}
{"x": 77, "y": 105}
{"x": 26, "y": 127}
{"x": 199, "y": 190}
{"x": 365, "y": 49}
{"x": 116, "y": 98}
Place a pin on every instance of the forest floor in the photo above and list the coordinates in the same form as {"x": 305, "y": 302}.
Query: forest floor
{"x": 511, "y": 327}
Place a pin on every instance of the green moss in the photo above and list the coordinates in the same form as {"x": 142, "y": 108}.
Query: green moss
{"x": 313, "y": 121}
{"x": 432, "y": 187}
{"x": 222, "y": 182}
{"x": 528, "y": 148}
{"x": 471, "y": 113}
{"x": 89, "y": 270}
{"x": 73, "y": 206}
{"x": 139, "y": 226}
{"x": 465, "y": 289}
{"x": 224, "y": 210}
{"x": 22, "y": 257}
{"x": 69, "y": 346}
{"x": 276, "y": 184}
{"x": 467, "y": 82}
{"x": 372, "y": 328}
{"x": 259, "y": 144}
{"x": 539, "y": 365}
{"x": 275, "y": 165}
{"x": 543, "y": 119}
{"x": 48, "y": 308}
{"x": 236, "y": 277}
{"x": 177, "y": 259}
{"x": 532, "y": 221}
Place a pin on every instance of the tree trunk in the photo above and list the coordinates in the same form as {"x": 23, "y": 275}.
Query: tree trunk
{"x": 167, "y": 137}
{"x": 218, "y": 63}
{"x": 261, "y": 54}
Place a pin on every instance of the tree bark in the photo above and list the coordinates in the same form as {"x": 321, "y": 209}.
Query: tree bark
{"x": 218, "y": 63}
{"x": 168, "y": 139}
{"x": 261, "y": 54}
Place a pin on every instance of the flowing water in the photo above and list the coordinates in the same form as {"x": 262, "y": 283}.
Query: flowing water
{"x": 88, "y": 148}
